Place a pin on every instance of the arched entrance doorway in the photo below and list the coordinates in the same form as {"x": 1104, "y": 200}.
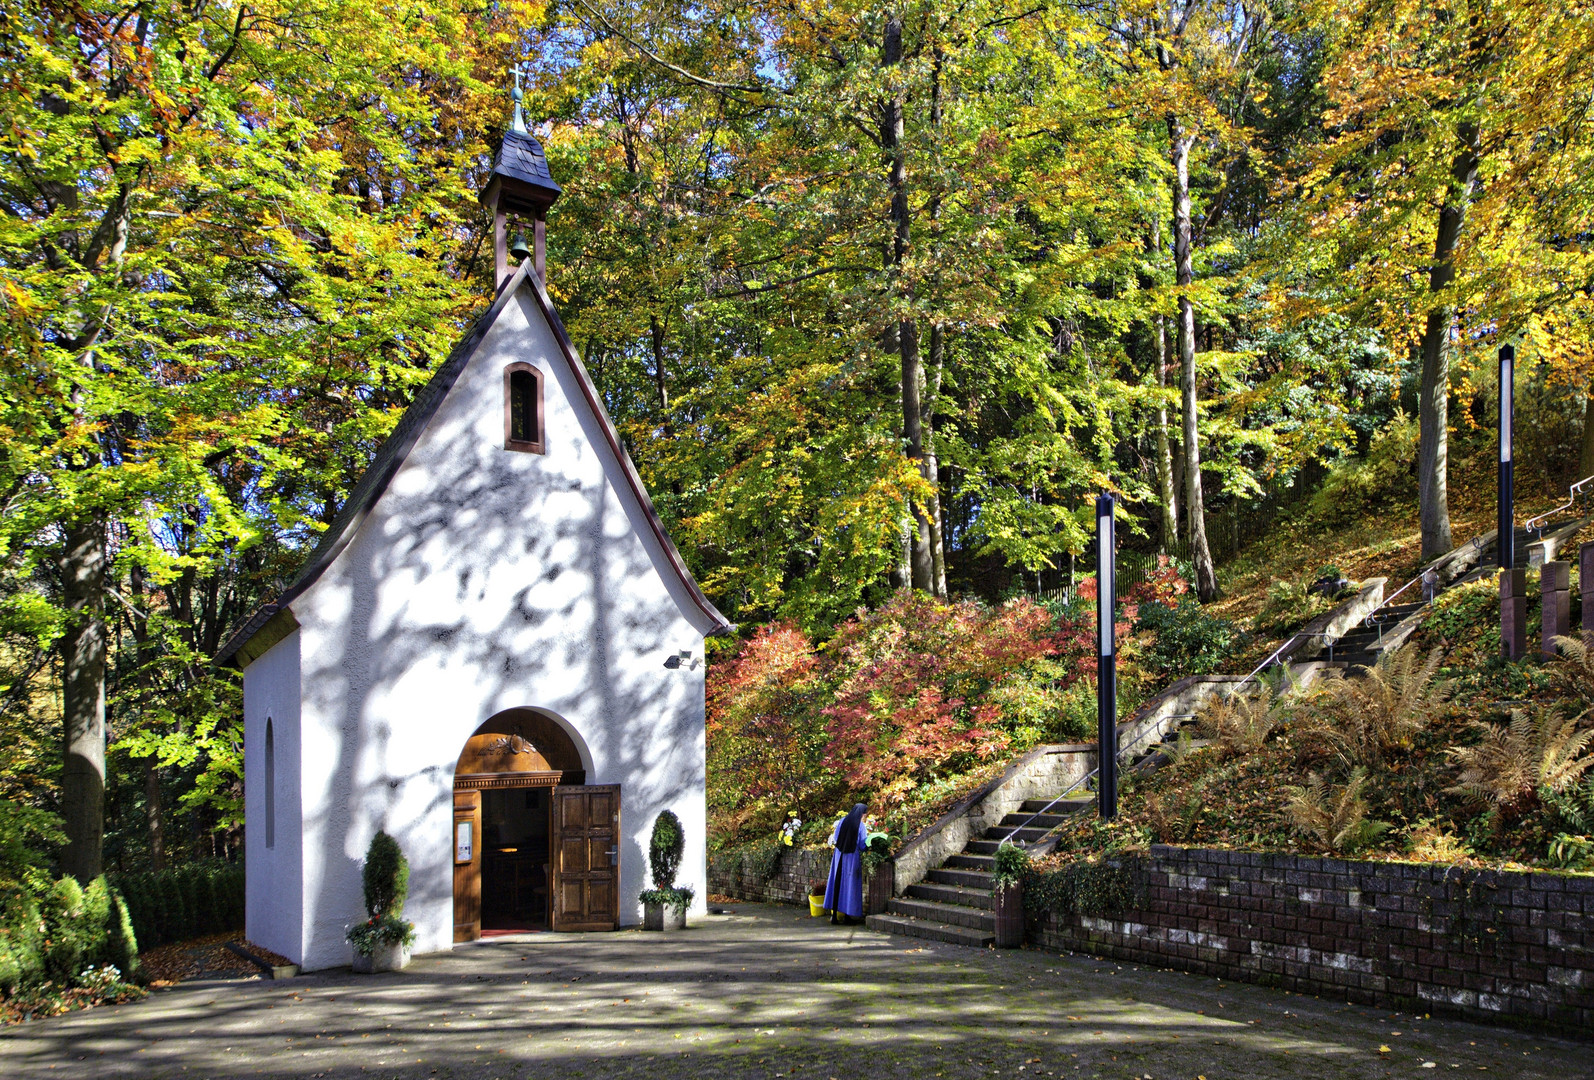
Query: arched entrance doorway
{"x": 535, "y": 846}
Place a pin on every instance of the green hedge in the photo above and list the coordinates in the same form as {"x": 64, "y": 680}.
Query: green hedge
{"x": 56, "y": 930}
{"x": 175, "y": 905}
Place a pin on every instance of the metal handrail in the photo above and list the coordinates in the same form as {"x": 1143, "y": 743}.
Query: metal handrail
{"x": 1263, "y": 666}
{"x": 1536, "y": 524}
{"x": 1075, "y": 786}
{"x": 1475, "y": 542}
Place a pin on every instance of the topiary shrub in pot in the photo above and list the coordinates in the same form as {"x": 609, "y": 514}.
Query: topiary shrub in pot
{"x": 382, "y": 942}
{"x": 664, "y": 906}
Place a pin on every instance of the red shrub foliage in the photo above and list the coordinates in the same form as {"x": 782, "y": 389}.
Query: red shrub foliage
{"x": 899, "y": 702}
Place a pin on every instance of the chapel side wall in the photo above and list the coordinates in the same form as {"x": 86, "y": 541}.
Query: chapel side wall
{"x": 484, "y": 580}
{"x": 273, "y": 898}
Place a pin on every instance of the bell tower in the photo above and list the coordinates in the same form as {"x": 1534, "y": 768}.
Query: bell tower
{"x": 519, "y": 186}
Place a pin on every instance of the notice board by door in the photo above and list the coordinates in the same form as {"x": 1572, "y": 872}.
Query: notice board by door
{"x": 467, "y": 865}
{"x": 586, "y": 857}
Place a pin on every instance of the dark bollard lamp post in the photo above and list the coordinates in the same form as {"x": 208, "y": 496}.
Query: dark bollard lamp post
{"x": 1106, "y": 663}
{"x": 1505, "y": 542}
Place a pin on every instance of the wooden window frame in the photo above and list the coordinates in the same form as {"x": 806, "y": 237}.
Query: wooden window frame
{"x": 524, "y": 446}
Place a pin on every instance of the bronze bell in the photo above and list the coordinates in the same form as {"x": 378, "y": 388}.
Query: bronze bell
{"x": 520, "y": 252}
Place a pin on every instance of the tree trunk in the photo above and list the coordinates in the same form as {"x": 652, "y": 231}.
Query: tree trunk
{"x": 920, "y": 562}
{"x": 932, "y": 465}
{"x": 1184, "y": 274}
{"x": 1585, "y": 460}
{"x": 1433, "y": 397}
{"x": 656, "y": 333}
{"x": 83, "y": 567}
{"x": 1169, "y": 516}
{"x": 152, "y": 812}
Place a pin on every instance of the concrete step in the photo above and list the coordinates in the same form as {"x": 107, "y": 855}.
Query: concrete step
{"x": 1009, "y": 833}
{"x": 982, "y": 847}
{"x": 963, "y": 879}
{"x": 1035, "y": 821}
{"x": 966, "y": 861}
{"x": 919, "y": 928}
{"x": 963, "y": 895}
{"x": 970, "y": 918}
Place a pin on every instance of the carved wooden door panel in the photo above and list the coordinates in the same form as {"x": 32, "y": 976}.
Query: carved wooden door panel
{"x": 467, "y": 865}
{"x": 586, "y": 857}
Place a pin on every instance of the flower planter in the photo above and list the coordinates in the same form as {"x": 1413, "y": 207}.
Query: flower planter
{"x": 878, "y": 889}
{"x": 1008, "y": 904}
{"x": 384, "y": 957}
{"x": 661, "y": 917}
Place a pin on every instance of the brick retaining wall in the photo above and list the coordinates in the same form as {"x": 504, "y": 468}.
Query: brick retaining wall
{"x": 1481, "y": 944}
{"x": 732, "y": 874}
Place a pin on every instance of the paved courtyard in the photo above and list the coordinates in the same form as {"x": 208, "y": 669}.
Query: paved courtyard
{"x": 764, "y": 992}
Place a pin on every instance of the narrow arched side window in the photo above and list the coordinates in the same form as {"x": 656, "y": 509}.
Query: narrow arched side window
{"x": 523, "y": 409}
{"x": 271, "y": 785}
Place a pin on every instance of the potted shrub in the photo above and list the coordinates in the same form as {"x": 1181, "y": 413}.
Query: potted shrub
{"x": 1010, "y": 866}
{"x": 664, "y": 906}
{"x": 879, "y": 873}
{"x": 382, "y": 942}
{"x": 816, "y": 897}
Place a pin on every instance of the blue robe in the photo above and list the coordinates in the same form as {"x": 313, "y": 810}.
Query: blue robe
{"x": 844, "y": 890}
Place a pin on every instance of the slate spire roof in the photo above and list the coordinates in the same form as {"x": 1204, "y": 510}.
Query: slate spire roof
{"x": 520, "y": 157}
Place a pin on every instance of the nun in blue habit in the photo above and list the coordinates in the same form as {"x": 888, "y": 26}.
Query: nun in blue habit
{"x": 844, "y": 890}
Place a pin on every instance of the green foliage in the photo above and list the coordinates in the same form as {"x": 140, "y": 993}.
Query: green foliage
{"x": 876, "y": 855}
{"x": 1087, "y": 887}
{"x": 676, "y": 899}
{"x": 58, "y": 932}
{"x": 159, "y": 910}
{"x": 1189, "y": 639}
{"x": 665, "y": 847}
{"x": 1369, "y": 483}
{"x": 385, "y": 929}
{"x": 1289, "y": 605}
{"x": 26, "y": 835}
{"x": 386, "y": 877}
{"x": 1010, "y": 866}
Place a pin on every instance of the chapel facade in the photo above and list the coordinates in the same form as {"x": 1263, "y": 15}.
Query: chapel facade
{"x": 494, "y": 654}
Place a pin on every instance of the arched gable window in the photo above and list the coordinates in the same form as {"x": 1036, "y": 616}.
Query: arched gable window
{"x": 523, "y": 409}
{"x": 271, "y": 786}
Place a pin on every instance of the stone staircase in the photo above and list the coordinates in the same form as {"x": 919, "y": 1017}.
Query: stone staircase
{"x": 1362, "y": 647}
{"x": 953, "y": 902}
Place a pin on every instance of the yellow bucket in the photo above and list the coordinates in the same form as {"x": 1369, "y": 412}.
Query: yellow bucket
{"x": 816, "y": 905}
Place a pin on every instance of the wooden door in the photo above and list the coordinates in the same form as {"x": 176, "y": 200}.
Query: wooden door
{"x": 586, "y": 857}
{"x": 467, "y": 865}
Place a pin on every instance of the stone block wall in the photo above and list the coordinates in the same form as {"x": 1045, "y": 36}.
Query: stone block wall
{"x": 1480, "y": 944}
{"x": 734, "y": 874}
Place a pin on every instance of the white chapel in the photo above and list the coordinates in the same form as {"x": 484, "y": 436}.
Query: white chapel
{"x": 494, "y": 654}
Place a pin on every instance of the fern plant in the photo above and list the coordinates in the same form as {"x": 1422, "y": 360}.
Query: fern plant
{"x": 1335, "y": 814}
{"x": 1364, "y": 720}
{"x": 1513, "y": 763}
{"x": 1237, "y": 725}
{"x": 1572, "y": 673}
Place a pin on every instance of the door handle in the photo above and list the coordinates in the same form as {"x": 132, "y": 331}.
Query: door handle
{"x": 614, "y": 856}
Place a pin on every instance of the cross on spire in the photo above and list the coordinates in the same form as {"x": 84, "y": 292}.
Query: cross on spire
{"x": 518, "y": 123}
